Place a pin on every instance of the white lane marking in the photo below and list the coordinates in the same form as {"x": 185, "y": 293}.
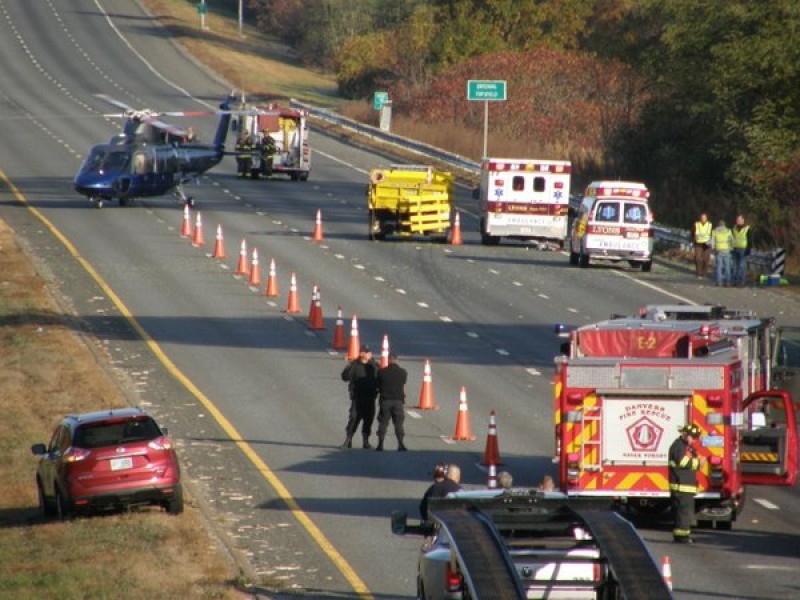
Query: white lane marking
{"x": 339, "y": 256}
{"x": 413, "y": 414}
{"x": 545, "y": 296}
{"x": 472, "y": 334}
{"x": 654, "y": 287}
{"x": 360, "y": 267}
{"x": 445, "y": 319}
{"x": 379, "y": 278}
{"x": 766, "y": 504}
{"x": 533, "y": 371}
{"x": 572, "y": 310}
{"x": 400, "y": 291}
{"x": 423, "y": 304}
{"x": 769, "y": 567}
{"x": 517, "y": 283}
{"x": 447, "y": 440}
{"x": 502, "y": 352}
{"x": 494, "y": 271}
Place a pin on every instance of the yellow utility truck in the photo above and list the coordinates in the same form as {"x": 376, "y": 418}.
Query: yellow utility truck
{"x": 409, "y": 200}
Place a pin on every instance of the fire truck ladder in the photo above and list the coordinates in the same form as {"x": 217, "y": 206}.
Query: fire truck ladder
{"x": 591, "y": 445}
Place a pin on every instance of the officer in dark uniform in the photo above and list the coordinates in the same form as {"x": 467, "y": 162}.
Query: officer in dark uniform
{"x": 391, "y": 386}
{"x": 362, "y": 377}
{"x": 683, "y": 466}
{"x": 446, "y": 479}
{"x": 267, "y": 152}
{"x": 243, "y": 161}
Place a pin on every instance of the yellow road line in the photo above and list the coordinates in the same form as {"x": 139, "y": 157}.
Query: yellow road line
{"x": 344, "y": 567}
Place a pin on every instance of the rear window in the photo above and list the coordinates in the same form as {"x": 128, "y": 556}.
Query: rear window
{"x": 98, "y": 435}
{"x": 635, "y": 213}
{"x": 607, "y": 212}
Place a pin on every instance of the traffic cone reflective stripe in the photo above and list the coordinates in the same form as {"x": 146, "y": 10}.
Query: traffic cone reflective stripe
{"x": 384, "y": 362}
{"x": 317, "y": 322}
{"x": 463, "y": 432}
{"x": 338, "y": 332}
{"x": 312, "y": 305}
{"x": 242, "y": 268}
{"x": 426, "y": 401}
{"x": 255, "y": 270}
{"x": 491, "y": 483}
{"x": 666, "y": 572}
{"x": 186, "y": 227}
{"x": 491, "y": 455}
{"x": 198, "y": 239}
{"x": 272, "y": 281}
{"x": 219, "y": 244}
{"x": 455, "y": 237}
{"x": 293, "y": 305}
{"x": 317, "y": 237}
{"x": 354, "y": 344}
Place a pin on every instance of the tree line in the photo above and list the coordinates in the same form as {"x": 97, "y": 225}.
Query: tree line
{"x": 698, "y": 98}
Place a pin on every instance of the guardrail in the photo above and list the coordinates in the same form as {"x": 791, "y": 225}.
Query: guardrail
{"x": 762, "y": 262}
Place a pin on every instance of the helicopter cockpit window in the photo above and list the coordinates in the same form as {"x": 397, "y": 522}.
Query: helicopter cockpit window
{"x": 115, "y": 161}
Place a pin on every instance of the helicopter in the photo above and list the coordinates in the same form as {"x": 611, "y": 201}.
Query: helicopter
{"x": 150, "y": 157}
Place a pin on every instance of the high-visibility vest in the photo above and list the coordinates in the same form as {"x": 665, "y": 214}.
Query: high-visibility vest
{"x": 740, "y": 237}
{"x": 722, "y": 239}
{"x": 702, "y": 232}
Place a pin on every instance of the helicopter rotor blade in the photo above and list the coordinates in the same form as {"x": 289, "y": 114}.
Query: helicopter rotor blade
{"x": 115, "y": 102}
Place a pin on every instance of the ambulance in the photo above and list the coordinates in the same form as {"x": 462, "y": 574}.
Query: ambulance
{"x": 613, "y": 223}
{"x": 524, "y": 199}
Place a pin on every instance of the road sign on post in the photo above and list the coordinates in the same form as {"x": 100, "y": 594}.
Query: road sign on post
{"x": 379, "y": 99}
{"x": 487, "y": 91}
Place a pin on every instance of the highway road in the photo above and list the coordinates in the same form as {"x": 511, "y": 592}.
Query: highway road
{"x": 252, "y": 396}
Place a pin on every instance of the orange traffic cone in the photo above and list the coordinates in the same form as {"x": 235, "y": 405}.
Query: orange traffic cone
{"x": 455, "y": 236}
{"x": 198, "y": 239}
{"x": 491, "y": 483}
{"x": 354, "y": 345}
{"x": 186, "y": 228}
{"x": 272, "y": 281}
{"x": 242, "y": 268}
{"x": 293, "y": 305}
{"x": 463, "y": 432}
{"x": 317, "y": 237}
{"x": 666, "y": 572}
{"x": 312, "y": 304}
{"x": 338, "y": 332}
{"x": 384, "y": 362}
{"x": 219, "y": 245}
{"x": 317, "y": 322}
{"x": 426, "y": 393}
{"x": 491, "y": 455}
{"x": 255, "y": 270}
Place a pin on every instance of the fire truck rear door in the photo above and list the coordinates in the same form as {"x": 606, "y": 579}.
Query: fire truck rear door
{"x": 769, "y": 439}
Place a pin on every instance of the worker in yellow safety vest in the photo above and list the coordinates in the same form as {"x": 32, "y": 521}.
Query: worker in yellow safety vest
{"x": 722, "y": 243}
{"x": 702, "y": 245}
{"x": 741, "y": 250}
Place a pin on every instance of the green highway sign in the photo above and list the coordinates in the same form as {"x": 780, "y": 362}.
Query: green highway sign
{"x": 379, "y": 100}
{"x": 202, "y": 8}
{"x": 486, "y": 90}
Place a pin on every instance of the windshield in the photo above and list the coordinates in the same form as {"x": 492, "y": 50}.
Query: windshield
{"x": 103, "y": 158}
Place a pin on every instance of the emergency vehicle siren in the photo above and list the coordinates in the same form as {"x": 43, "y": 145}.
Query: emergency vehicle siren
{"x": 455, "y": 236}
{"x": 463, "y": 432}
{"x": 491, "y": 455}
{"x": 272, "y": 281}
{"x": 354, "y": 345}
{"x": 384, "y": 362}
{"x": 491, "y": 482}
{"x": 186, "y": 228}
{"x": 219, "y": 245}
{"x": 198, "y": 240}
{"x": 242, "y": 268}
{"x": 426, "y": 401}
{"x": 293, "y": 305}
{"x": 338, "y": 332}
{"x": 255, "y": 270}
{"x": 317, "y": 237}
{"x": 666, "y": 572}
{"x": 316, "y": 322}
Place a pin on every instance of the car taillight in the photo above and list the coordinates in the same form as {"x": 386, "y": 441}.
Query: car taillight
{"x": 75, "y": 455}
{"x": 454, "y": 582}
{"x": 161, "y": 443}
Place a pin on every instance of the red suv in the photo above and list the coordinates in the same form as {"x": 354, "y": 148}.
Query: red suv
{"x": 109, "y": 459}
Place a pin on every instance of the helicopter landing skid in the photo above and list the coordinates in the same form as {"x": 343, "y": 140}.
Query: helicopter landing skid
{"x": 181, "y": 195}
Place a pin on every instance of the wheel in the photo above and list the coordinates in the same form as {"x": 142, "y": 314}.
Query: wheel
{"x": 62, "y": 510}
{"x": 46, "y": 506}
{"x": 486, "y": 239}
{"x": 583, "y": 260}
{"x": 123, "y": 202}
{"x": 304, "y": 177}
{"x": 647, "y": 266}
{"x": 253, "y": 173}
{"x": 573, "y": 258}
{"x": 97, "y": 201}
{"x": 190, "y": 202}
{"x": 174, "y": 505}
{"x": 295, "y": 177}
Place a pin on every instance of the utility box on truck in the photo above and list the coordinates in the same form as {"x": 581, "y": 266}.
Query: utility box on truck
{"x": 409, "y": 200}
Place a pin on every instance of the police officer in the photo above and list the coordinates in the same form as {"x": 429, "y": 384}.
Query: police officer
{"x": 446, "y": 479}
{"x": 702, "y": 245}
{"x": 362, "y": 377}
{"x": 722, "y": 242}
{"x": 391, "y": 385}
{"x": 741, "y": 250}
{"x": 267, "y": 152}
{"x": 244, "y": 161}
{"x": 683, "y": 466}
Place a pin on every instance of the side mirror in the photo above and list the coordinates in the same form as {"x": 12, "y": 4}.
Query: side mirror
{"x": 39, "y": 449}
{"x": 399, "y": 522}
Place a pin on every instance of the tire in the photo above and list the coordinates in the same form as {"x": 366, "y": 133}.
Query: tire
{"x": 647, "y": 266}
{"x": 123, "y": 202}
{"x": 304, "y": 177}
{"x": 63, "y": 509}
{"x": 46, "y": 506}
{"x": 254, "y": 174}
{"x": 573, "y": 258}
{"x": 295, "y": 177}
{"x": 174, "y": 505}
{"x": 486, "y": 239}
{"x": 583, "y": 260}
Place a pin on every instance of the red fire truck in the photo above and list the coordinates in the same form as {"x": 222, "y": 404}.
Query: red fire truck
{"x": 624, "y": 387}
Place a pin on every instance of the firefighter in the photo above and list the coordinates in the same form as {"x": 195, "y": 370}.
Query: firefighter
{"x": 243, "y": 161}
{"x": 741, "y": 250}
{"x": 702, "y": 245}
{"x": 268, "y": 150}
{"x": 683, "y": 466}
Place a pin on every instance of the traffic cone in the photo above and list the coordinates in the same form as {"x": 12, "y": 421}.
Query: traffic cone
{"x": 384, "y": 362}
{"x": 242, "y": 268}
{"x": 219, "y": 245}
{"x": 198, "y": 239}
{"x": 491, "y": 483}
{"x": 338, "y": 332}
{"x": 255, "y": 270}
{"x": 293, "y": 305}
{"x": 463, "y": 432}
{"x": 186, "y": 228}
{"x": 317, "y": 237}
{"x": 491, "y": 455}
{"x": 312, "y": 304}
{"x": 666, "y": 572}
{"x": 317, "y": 322}
{"x": 426, "y": 393}
{"x": 455, "y": 235}
{"x": 272, "y": 281}
{"x": 354, "y": 345}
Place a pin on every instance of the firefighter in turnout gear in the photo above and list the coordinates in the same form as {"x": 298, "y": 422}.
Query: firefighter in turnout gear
{"x": 268, "y": 149}
{"x": 244, "y": 162}
{"x": 683, "y": 466}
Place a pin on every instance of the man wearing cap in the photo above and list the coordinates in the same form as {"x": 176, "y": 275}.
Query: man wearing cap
{"x": 391, "y": 386}
{"x": 362, "y": 377}
{"x": 446, "y": 480}
{"x": 683, "y": 466}
{"x": 268, "y": 149}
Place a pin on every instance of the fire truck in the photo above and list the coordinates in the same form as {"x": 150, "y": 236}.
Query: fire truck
{"x": 623, "y": 388}
{"x": 524, "y": 199}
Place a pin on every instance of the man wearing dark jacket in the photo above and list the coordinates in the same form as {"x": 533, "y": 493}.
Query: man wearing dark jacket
{"x": 683, "y": 466}
{"x": 446, "y": 479}
{"x": 362, "y": 377}
{"x": 391, "y": 386}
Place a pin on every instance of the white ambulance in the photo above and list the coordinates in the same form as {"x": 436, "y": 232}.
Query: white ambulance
{"x": 524, "y": 199}
{"x": 613, "y": 223}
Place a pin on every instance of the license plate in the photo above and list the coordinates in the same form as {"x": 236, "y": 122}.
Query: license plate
{"x": 120, "y": 464}
{"x": 632, "y": 235}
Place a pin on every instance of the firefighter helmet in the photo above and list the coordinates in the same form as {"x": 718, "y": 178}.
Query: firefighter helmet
{"x": 692, "y": 429}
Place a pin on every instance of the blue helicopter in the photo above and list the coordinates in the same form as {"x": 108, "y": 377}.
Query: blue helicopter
{"x": 150, "y": 157}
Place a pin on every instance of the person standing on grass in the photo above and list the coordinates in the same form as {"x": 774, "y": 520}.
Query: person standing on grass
{"x": 741, "y": 250}
{"x": 702, "y": 245}
{"x": 722, "y": 242}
